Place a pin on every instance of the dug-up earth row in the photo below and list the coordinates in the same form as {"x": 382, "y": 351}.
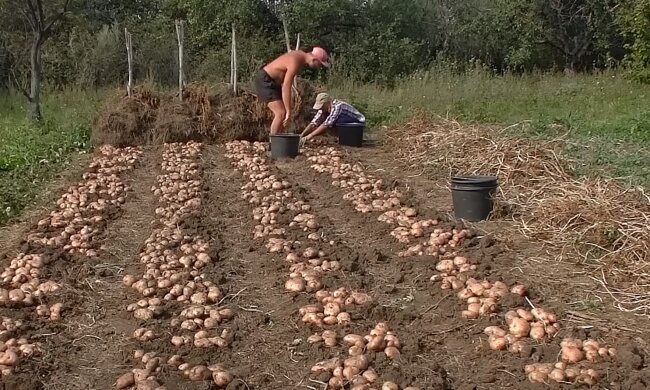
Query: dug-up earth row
{"x": 195, "y": 266}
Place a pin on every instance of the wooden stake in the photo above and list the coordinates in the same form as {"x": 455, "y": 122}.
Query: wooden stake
{"x": 298, "y": 42}
{"x": 286, "y": 34}
{"x": 180, "y": 35}
{"x": 233, "y": 72}
{"x": 129, "y": 56}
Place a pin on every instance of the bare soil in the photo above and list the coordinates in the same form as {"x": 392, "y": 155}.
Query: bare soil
{"x": 92, "y": 345}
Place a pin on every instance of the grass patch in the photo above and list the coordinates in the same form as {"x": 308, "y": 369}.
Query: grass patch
{"x": 606, "y": 116}
{"x": 31, "y": 154}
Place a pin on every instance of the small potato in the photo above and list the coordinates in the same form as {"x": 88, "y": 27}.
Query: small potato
{"x": 557, "y": 375}
{"x": 353, "y": 339}
{"x": 376, "y": 343}
{"x": 124, "y": 381}
{"x": 370, "y": 375}
{"x": 392, "y": 353}
{"x": 295, "y": 285}
{"x": 497, "y": 343}
{"x": 389, "y": 386}
{"x": 469, "y": 315}
{"x": 222, "y": 378}
{"x": 525, "y": 314}
{"x": 519, "y": 327}
{"x": 199, "y": 373}
{"x": 537, "y": 333}
{"x": 537, "y": 377}
{"x": 336, "y": 383}
{"x": 360, "y": 362}
{"x": 571, "y": 354}
{"x": 494, "y": 330}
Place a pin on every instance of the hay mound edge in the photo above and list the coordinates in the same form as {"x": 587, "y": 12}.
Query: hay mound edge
{"x": 205, "y": 114}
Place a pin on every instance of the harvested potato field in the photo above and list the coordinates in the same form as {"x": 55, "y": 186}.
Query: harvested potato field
{"x": 197, "y": 266}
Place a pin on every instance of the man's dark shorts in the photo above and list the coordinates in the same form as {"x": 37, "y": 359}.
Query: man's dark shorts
{"x": 268, "y": 90}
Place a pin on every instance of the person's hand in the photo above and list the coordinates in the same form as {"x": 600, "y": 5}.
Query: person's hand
{"x": 287, "y": 119}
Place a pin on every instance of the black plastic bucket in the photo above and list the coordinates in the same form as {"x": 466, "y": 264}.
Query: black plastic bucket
{"x": 350, "y": 134}
{"x": 285, "y": 145}
{"x": 472, "y": 196}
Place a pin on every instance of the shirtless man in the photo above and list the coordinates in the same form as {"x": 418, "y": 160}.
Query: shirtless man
{"x": 273, "y": 82}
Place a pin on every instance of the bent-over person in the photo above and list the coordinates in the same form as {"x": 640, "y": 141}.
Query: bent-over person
{"x": 274, "y": 81}
{"x": 331, "y": 113}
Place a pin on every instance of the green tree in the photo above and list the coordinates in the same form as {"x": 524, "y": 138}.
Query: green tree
{"x": 42, "y": 23}
{"x": 634, "y": 17}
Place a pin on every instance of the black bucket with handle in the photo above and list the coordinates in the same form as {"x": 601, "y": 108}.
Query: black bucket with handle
{"x": 350, "y": 134}
{"x": 472, "y": 196}
{"x": 285, "y": 145}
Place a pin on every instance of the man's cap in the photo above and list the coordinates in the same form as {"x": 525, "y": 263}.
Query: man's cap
{"x": 321, "y": 99}
{"x": 322, "y": 56}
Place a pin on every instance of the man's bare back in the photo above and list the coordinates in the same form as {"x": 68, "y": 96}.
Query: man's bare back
{"x": 273, "y": 82}
{"x": 278, "y": 68}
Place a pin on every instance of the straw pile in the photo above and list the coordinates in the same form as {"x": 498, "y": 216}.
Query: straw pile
{"x": 205, "y": 114}
{"x": 603, "y": 224}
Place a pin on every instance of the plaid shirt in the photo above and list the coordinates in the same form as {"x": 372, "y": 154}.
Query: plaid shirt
{"x": 341, "y": 112}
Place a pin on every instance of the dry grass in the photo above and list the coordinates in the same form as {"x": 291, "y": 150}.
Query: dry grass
{"x": 205, "y": 114}
{"x": 595, "y": 222}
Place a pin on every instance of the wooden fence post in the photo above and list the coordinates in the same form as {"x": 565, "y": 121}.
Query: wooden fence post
{"x": 129, "y": 56}
{"x": 180, "y": 35}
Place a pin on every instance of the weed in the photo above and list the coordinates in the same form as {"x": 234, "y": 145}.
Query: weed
{"x": 31, "y": 154}
{"x": 605, "y": 116}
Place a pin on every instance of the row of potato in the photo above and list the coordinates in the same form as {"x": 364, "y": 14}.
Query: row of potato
{"x": 73, "y": 227}
{"x": 173, "y": 279}
{"x": 456, "y": 272}
{"x": 275, "y": 203}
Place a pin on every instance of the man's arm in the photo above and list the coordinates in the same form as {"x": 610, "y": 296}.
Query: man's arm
{"x": 313, "y": 124}
{"x": 319, "y": 130}
{"x": 310, "y": 127}
{"x": 292, "y": 71}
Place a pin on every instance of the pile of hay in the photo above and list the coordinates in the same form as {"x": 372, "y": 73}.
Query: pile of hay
{"x": 600, "y": 222}
{"x": 126, "y": 120}
{"x": 203, "y": 115}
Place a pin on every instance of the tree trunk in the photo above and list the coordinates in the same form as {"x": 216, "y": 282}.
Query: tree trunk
{"x": 35, "y": 91}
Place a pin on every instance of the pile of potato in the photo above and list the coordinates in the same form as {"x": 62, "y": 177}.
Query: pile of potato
{"x": 561, "y": 372}
{"x": 440, "y": 242}
{"x": 331, "y": 309}
{"x": 482, "y": 297}
{"x": 453, "y": 272}
{"x": 22, "y": 282}
{"x": 13, "y": 350}
{"x": 354, "y": 372}
{"x": 537, "y": 324}
{"x": 145, "y": 378}
{"x": 574, "y": 350}
{"x": 79, "y": 217}
{"x": 367, "y": 193}
{"x": 82, "y": 210}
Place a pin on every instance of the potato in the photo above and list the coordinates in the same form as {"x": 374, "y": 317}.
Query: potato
{"x": 222, "y": 378}
{"x": 494, "y": 330}
{"x": 295, "y": 285}
{"x": 519, "y": 327}
{"x": 497, "y": 343}
{"x": 392, "y": 353}
{"x": 557, "y": 375}
{"x": 360, "y": 362}
{"x": 389, "y": 386}
{"x": 571, "y": 354}
{"x": 124, "y": 381}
